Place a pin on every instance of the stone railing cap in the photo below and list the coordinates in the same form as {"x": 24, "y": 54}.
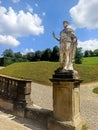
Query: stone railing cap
{"x": 13, "y": 78}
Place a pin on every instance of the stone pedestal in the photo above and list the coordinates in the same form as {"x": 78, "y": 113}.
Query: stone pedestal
{"x": 66, "y": 102}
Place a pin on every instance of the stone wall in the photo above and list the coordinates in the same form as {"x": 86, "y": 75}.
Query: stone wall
{"x": 15, "y": 94}
{"x": 39, "y": 114}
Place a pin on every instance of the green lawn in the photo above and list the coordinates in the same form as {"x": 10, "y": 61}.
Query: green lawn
{"x": 89, "y": 69}
{"x": 85, "y": 127}
{"x": 40, "y": 72}
{"x": 95, "y": 90}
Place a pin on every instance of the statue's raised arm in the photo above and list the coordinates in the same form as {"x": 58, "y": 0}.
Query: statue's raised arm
{"x": 58, "y": 39}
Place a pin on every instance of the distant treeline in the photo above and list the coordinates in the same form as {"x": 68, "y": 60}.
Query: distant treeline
{"x": 9, "y": 57}
{"x": 90, "y": 53}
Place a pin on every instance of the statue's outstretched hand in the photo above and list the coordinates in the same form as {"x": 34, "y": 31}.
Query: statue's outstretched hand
{"x": 55, "y": 37}
{"x": 53, "y": 34}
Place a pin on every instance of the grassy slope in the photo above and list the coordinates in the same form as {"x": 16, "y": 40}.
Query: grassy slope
{"x": 40, "y": 72}
{"x": 89, "y": 69}
{"x": 95, "y": 90}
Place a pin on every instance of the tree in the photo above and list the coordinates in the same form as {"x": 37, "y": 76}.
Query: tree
{"x": 8, "y": 57}
{"x": 46, "y": 56}
{"x": 24, "y": 57}
{"x": 96, "y": 52}
{"x": 38, "y": 55}
{"x": 8, "y": 53}
{"x": 88, "y": 53}
{"x": 18, "y": 57}
{"x": 8, "y": 61}
{"x": 1, "y": 61}
{"x": 91, "y": 53}
{"x": 30, "y": 56}
{"x": 55, "y": 54}
{"x": 78, "y": 56}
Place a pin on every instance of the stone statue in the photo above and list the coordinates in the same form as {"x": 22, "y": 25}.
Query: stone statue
{"x": 68, "y": 45}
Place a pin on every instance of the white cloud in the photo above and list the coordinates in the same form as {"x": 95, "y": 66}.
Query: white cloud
{"x": 43, "y": 13}
{"x": 29, "y": 8}
{"x": 88, "y": 45}
{"x": 36, "y": 4}
{"x": 8, "y": 40}
{"x": 16, "y": 1}
{"x": 84, "y": 14}
{"x": 19, "y": 24}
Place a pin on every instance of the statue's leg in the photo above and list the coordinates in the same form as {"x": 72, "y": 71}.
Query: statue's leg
{"x": 71, "y": 57}
{"x": 65, "y": 60}
{"x": 74, "y": 50}
{"x": 61, "y": 57}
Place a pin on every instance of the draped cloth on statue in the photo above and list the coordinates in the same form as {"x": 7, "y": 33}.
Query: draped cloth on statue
{"x": 67, "y": 48}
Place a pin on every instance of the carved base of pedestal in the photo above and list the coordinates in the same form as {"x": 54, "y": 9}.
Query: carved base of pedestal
{"x": 66, "y": 74}
{"x": 67, "y": 125}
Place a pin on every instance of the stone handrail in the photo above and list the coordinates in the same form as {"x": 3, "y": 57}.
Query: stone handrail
{"x": 15, "y": 89}
{"x": 15, "y": 96}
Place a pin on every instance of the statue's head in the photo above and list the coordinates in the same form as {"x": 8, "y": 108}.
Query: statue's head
{"x": 65, "y": 24}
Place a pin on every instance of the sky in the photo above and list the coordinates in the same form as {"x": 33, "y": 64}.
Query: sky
{"x": 27, "y": 25}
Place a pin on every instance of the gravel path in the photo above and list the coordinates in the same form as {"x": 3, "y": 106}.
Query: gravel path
{"x": 1, "y": 67}
{"x": 89, "y": 104}
{"x": 42, "y": 96}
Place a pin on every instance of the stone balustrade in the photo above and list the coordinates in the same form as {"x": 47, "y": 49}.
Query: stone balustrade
{"x": 15, "y": 91}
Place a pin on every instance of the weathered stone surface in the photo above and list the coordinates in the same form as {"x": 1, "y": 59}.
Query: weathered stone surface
{"x": 41, "y": 115}
{"x": 8, "y": 105}
{"x": 62, "y": 101}
{"x": 68, "y": 125}
{"x": 66, "y": 102}
{"x": 15, "y": 93}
